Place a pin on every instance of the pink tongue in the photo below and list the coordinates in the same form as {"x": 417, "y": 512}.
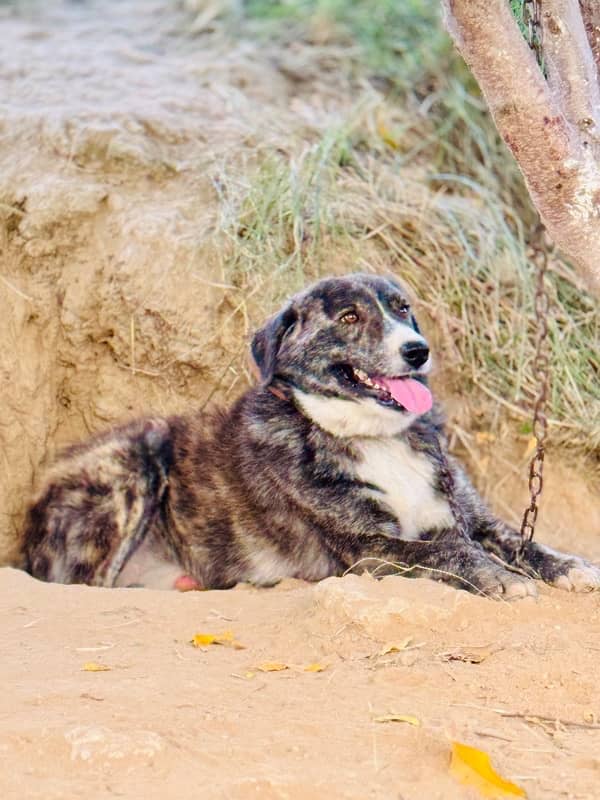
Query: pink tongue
{"x": 410, "y": 393}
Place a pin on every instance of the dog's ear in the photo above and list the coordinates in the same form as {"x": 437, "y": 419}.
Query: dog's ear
{"x": 267, "y": 341}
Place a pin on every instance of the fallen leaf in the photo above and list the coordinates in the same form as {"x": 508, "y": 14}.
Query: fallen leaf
{"x": 91, "y": 666}
{"x": 385, "y": 133}
{"x": 388, "y": 137}
{"x": 531, "y": 445}
{"x": 470, "y": 655}
{"x": 408, "y": 718}
{"x": 272, "y": 666}
{"x": 249, "y": 675}
{"x": 395, "y": 648}
{"x": 316, "y": 667}
{"x": 226, "y": 638}
{"x": 472, "y": 767}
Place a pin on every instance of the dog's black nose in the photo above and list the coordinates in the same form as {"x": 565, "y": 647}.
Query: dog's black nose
{"x": 415, "y": 353}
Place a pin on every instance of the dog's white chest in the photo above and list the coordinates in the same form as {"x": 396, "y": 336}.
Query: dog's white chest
{"x": 405, "y": 483}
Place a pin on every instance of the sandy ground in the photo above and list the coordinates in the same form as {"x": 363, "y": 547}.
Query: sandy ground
{"x": 170, "y": 720}
{"x": 118, "y": 134}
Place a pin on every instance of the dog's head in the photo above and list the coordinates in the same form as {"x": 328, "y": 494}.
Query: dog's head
{"x": 352, "y": 353}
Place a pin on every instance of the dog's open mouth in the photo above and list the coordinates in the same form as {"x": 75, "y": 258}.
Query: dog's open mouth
{"x": 401, "y": 391}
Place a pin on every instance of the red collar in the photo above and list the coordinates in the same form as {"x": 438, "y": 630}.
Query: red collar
{"x": 278, "y": 392}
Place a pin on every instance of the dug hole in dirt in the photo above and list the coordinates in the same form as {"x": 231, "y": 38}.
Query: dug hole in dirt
{"x": 114, "y": 128}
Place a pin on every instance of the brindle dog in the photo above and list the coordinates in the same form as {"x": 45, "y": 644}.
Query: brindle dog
{"x": 337, "y": 459}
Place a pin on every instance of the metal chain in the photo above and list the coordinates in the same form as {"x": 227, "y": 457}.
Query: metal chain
{"x": 541, "y": 361}
{"x": 541, "y": 365}
{"x": 541, "y": 370}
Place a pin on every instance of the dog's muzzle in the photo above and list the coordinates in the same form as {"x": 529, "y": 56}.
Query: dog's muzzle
{"x": 415, "y": 353}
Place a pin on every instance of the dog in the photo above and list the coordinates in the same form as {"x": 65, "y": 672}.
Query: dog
{"x": 336, "y": 460}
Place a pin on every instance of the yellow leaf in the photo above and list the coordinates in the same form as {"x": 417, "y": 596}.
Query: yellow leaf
{"x": 316, "y": 667}
{"x": 408, "y": 718}
{"x": 531, "y": 445}
{"x": 484, "y": 437}
{"x": 225, "y": 638}
{"x": 385, "y": 133}
{"x": 388, "y": 137}
{"x": 472, "y": 767}
{"x": 395, "y": 648}
{"x": 249, "y": 675}
{"x": 272, "y": 666}
{"x": 204, "y": 639}
{"x": 91, "y": 666}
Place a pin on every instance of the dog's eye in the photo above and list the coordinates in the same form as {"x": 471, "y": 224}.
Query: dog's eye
{"x": 401, "y": 308}
{"x": 349, "y": 317}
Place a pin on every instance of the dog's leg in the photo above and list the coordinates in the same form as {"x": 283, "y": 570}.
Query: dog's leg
{"x": 100, "y": 507}
{"x": 562, "y": 570}
{"x": 558, "y": 569}
{"x": 451, "y": 557}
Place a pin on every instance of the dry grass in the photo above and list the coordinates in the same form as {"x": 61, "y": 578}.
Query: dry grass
{"x": 395, "y": 165}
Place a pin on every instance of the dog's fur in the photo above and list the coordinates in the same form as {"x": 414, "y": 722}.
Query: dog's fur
{"x": 309, "y": 474}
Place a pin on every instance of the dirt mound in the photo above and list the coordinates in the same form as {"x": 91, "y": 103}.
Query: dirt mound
{"x": 517, "y": 681}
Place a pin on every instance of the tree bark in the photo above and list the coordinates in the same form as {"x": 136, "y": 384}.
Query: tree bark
{"x": 590, "y": 12}
{"x": 570, "y": 64}
{"x": 549, "y": 127}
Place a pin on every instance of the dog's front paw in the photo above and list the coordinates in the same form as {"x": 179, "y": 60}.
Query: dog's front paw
{"x": 580, "y": 577}
{"x": 571, "y": 573}
{"x": 493, "y": 580}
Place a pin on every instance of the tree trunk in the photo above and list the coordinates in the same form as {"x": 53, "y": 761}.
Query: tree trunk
{"x": 552, "y": 127}
{"x": 590, "y": 12}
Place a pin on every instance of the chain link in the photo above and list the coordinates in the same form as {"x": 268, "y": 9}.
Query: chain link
{"x": 541, "y": 362}
{"x": 541, "y": 371}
